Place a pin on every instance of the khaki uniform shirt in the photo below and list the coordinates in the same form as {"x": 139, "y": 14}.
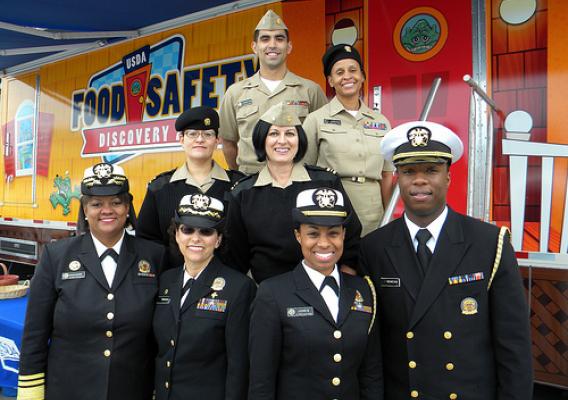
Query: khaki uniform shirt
{"x": 299, "y": 174}
{"x": 217, "y": 172}
{"x": 347, "y": 144}
{"x": 245, "y": 101}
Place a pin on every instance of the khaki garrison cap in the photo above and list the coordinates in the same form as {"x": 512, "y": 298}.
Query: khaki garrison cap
{"x": 271, "y": 22}
{"x": 281, "y": 114}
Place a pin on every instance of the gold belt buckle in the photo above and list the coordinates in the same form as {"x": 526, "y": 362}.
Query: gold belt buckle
{"x": 358, "y": 179}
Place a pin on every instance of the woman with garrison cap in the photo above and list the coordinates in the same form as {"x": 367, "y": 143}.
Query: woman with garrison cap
{"x": 88, "y": 329}
{"x": 198, "y": 129}
{"x": 259, "y": 227}
{"x": 345, "y": 135}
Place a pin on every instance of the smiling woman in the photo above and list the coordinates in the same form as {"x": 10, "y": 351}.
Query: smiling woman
{"x": 259, "y": 227}
{"x": 345, "y": 135}
{"x": 91, "y": 303}
{"x": 312, "y": 333}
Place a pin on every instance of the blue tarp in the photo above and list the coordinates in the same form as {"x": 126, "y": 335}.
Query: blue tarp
{"x": 84, "y": 16}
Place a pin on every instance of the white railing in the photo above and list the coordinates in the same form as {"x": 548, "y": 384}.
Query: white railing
{"x": 518, "y": 151}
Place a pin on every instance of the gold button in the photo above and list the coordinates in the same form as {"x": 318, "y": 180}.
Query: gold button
{"x": 336, "y": 381}
{"x": 414, "y": 394}
{"x": 449, "y": 366}
{"x": 168, "y": 364}
{"x": 409, "y": 335}
{"x": 337, "y": 334}
{"x": 172, "y": 342}
{"x": 110, "y": 315}
{"x": 453, "y": 396}
{"x": 412, "y": 364}
{"x": 107, "y": 353}
{"x": 110, "y": 296}
{"x": 447, "y": 335}
{"x": 337, "y": 357}
{"x": 167, "y": 385}
{"x": 109, "y": 333}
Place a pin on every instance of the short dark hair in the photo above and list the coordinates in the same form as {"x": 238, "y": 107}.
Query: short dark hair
{"x": 257, "y": 33}
{"x": 83, "y": 224}
{"x": 260, "y": 132}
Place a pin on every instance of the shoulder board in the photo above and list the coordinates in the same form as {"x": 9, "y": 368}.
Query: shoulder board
{"x": 244, "y": 183}
{"x": 160, "y": 180}
{"x": 316, "y": 172}
{"x": 235, "y": 176}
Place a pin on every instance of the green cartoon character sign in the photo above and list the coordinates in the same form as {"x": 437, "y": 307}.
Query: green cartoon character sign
{"x": 64, "y": 194}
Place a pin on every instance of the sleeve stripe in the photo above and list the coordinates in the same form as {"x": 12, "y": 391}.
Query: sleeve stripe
{"x": 35, "y": 393}
{"x": 39, "y": 375}
{"x": 39, "y": 382}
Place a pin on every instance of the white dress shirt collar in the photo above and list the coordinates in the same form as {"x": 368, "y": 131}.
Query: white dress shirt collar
{"x": 435, "y": 227}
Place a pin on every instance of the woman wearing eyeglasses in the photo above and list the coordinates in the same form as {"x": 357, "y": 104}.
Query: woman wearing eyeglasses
{"x": 198, "y": 128}
{"x": 201, "y": 320}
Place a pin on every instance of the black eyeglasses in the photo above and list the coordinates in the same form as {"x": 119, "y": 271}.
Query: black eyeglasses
{"x": 189, "y": 230}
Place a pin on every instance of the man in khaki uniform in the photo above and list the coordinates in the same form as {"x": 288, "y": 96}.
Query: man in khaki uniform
{"x": 245, "y": 101}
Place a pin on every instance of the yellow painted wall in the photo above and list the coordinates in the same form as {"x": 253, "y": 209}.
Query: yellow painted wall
{"x": 557, "y": 118}
{"x": 211, "y": 40}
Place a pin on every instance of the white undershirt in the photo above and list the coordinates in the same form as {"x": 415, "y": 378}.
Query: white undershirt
{"x": 108, "y": 264}
{"x": 353, "y": 112}
{"x": 187, "y": 277}
{"x": 271, "y": 85}
{"x": 435, "y": 228}
{"x": 329, "y": 296}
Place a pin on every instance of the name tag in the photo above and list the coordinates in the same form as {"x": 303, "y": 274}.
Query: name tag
{"x": 390, "y": 282}
{"x": 73, "y": 275}
{"x": 215, "y": 305}
{"x": 293, "y": 312}
{"x": 163, "y": 300}
{"x": 332, "y": 121}
{"x": 245, "y": 102}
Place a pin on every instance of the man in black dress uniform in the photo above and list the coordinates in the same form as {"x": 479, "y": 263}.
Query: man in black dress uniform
{"x": 452, "y": 308}
{"x": 198, "y": 128}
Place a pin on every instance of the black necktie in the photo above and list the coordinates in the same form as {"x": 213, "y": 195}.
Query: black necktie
{"x": 332, "y": 283}
{"x": 187, "y": 286}
{"x": 423, "y": 252}
{"x": 109, "y": 252}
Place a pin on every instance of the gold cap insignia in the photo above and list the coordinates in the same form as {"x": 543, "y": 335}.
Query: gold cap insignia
{"x": 347, "y": 49}
{"x": 468, "y": 306}
{"x": 144, "y": 266}
{"x": 218, "y": 284}
{"x": 207, "y": 121}
{"x": 419, "y": 136}
{"x": 74, "y": 265}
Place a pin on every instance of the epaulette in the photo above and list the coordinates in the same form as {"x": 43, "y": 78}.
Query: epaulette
{"x": 244, "y": 183}
{"x": 160, "y": 180}
{"x": 235, "y": 176}
{"x": 319, "y": 173}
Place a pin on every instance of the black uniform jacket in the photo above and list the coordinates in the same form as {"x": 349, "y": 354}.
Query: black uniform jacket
{"x": 93, "y": 342}
{"x": 162, "y": 199}
{"x": 299, "y": 352}
{"x": 443, "y": 341}
{"x": 203, "y": 353}
{"x": 260, "y": 230}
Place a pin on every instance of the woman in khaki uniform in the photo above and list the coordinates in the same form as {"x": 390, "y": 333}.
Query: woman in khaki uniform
{"x": 345, "y": 135}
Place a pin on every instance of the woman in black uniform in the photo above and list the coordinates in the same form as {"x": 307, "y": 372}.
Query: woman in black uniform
{"x": 312, "y": 329}
{"x": 88, "y": 329}
{"x": 259, "y": 227}
{"x": 202, "y": 313}
{"x": 198, "y": 129}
